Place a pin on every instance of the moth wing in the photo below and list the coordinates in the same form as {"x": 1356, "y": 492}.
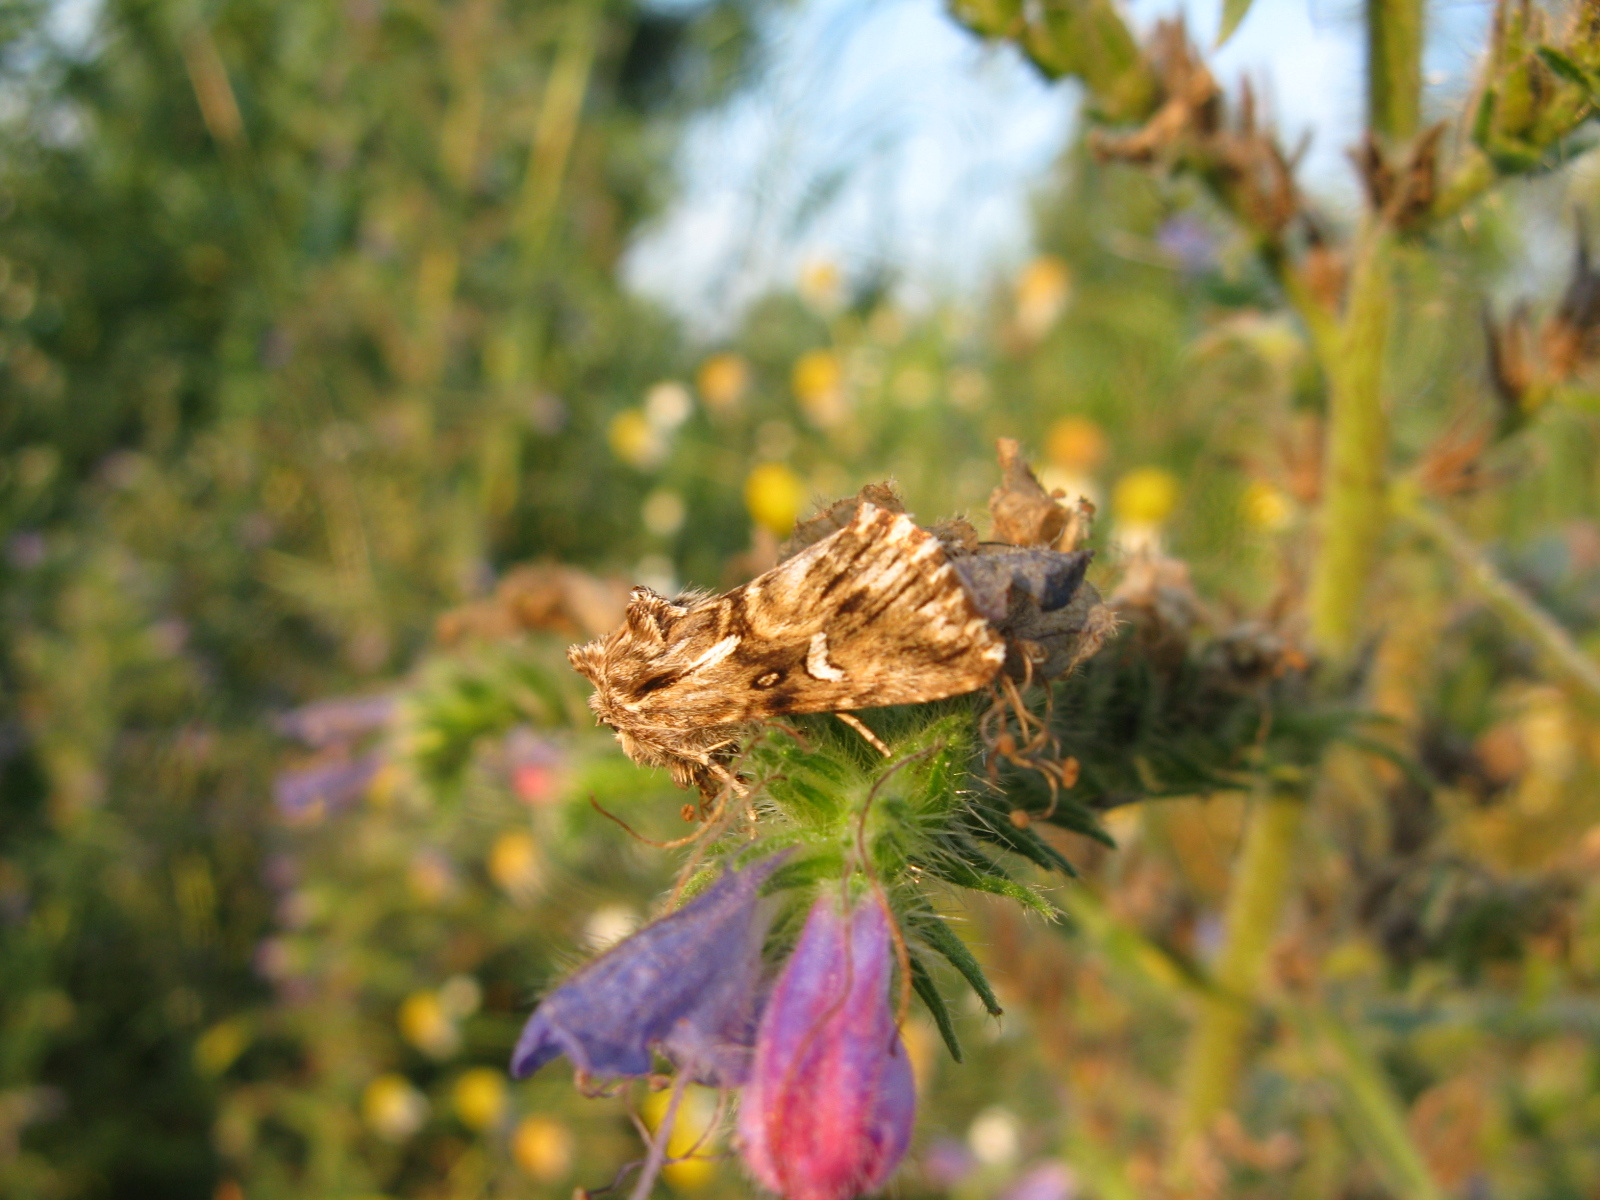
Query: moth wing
{"x": 871, "y": 615}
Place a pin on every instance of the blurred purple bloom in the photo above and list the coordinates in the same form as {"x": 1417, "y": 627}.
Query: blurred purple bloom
{"x": 1190, "y": 243}
{"x": 329, "y": 786}
{"x": 169, "y": 635}
{"x": 828, "y": 1110}
{"x": 686, "y": 985}
{"x": 947, "y": 1162}
{"x": 342, "y": 719}
{"x": 534, "y": 765}
{"x": 1047, "y": 1181}
{"x": 26, "y": 550}
{"x": 282, "y": 871}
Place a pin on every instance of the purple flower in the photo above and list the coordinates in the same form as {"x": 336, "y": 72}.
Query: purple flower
{"x": 340, "y": 720}
{"x": 827, "y": 1113}
{"x": 326, "y": 787}
{"x": 947, "y": 1162}
{"x": 1190, "y": 243}
{"x": 686, "y": 985}
{"x": 1047, "y": 1181}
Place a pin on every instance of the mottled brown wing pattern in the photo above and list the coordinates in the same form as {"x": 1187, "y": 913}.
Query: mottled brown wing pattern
{"x": 871, "y": 615}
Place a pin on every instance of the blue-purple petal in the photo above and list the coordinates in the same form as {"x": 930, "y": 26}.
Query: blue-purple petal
{"x": 685, "y": 984}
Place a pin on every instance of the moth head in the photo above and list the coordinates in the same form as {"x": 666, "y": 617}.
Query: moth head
{"x": 623, "y": 664}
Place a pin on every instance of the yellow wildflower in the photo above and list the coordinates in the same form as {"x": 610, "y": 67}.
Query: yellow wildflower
{"x": 542, "y": 1147}
{"x": 722, "y": 381}
{"x": 774, "y": 495}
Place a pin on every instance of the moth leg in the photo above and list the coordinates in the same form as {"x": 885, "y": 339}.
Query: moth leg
{"x": 872, "y": 739}
{"x": 732, "y": 781}
{"x": 711, "y": 830}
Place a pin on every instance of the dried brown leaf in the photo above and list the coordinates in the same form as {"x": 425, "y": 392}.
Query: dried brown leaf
{"x": 1024, "y": 513}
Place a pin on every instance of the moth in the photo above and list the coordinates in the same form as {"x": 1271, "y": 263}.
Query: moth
{"x": 877, "y": 612}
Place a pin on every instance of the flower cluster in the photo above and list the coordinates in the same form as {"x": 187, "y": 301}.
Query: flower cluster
{"x": 828, "y": 1096}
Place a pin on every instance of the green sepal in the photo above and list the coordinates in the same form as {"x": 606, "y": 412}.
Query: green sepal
{"x": 967, "y": 867}
{"x": 940, "y": 937}
{"x": 999, "y": 830}
{"x": 1079, "y": 819}
{"x": 1233, "y": 11}
{"x": 805, "y": 870}
{"x": 922, "y": 983}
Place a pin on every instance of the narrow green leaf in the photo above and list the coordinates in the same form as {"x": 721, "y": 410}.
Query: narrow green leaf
{"x": 922, "y": 984}
{"x": 1563, "y": 66}
{"x": 1233, "y": 12}
{"x": 942, "y": 938}
{"x": 1511, "y": 158}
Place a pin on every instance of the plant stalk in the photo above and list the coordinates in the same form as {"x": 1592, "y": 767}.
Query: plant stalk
{"x": 1394, "y": 68}
{"x": 1216, "y": 1048}
{"x": 1354, "y": 505}
{"x": 1519, "y": 609}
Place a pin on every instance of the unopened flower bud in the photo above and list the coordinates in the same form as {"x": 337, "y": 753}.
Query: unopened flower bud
{"x": 827, "y": 1113}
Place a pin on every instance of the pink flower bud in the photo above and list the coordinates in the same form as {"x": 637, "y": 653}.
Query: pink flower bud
{"x": 827, "y": 1112}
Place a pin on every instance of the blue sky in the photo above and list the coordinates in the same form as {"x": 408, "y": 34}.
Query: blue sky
{"x": 878, "y": 133}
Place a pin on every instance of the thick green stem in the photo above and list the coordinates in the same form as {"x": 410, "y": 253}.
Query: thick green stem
{"x": 1216, "y": 1048}
{"x": 1394, "y": 68}
{"x": 1354, "y": 508}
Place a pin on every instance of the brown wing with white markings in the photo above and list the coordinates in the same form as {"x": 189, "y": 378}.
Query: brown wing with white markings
{"x": 871, "y": 615}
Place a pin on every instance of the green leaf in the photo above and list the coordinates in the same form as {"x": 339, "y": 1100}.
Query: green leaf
{"x": 922, "y": 984}
{"x": 1563, "y": 66}
{"x": 1510, "y": 158}
{"x": 1233, "y": 12}
{"x": 1483, "y": 119}
{"x": 942, "y": 938}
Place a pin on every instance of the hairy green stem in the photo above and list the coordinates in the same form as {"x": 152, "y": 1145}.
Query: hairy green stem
{"x": 1354, "y": 507}
{"x": 1394, "y": 68}
{"x": 1216, "y": 1049}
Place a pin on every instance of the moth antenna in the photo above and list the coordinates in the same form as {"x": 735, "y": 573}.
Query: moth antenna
{"x": 639, "y": 837}
{"x": 860, "y": 727}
